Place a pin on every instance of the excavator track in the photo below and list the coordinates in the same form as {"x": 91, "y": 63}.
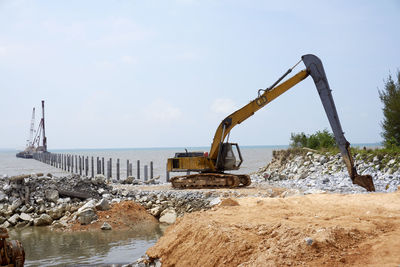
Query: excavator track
{"x": 210, "y": 180}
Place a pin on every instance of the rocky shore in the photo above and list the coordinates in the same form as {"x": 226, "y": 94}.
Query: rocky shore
{"x": 313, "y": 171}
{"x": 41, "y": 200}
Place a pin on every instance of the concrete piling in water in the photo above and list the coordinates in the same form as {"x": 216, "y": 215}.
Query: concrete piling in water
{"x": 167, "y": 174}
{"x": 80, "y": 164}
{"x": 72, "y": 163}
{"x": 117, "y": 169}
{"x": 98, "y": 166}
{"x": 138, "y": 169}
{"x": 102, "y": 166}
{"x": 110, "y": 168}
{"x": 86, "y": 166}
{"x": 127, "y": 168}
{"x": 145, "y": 173}
{"x": 92, "y": 167}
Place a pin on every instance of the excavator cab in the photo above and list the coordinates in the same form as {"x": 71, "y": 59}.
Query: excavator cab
{"x": 228, "y": 160}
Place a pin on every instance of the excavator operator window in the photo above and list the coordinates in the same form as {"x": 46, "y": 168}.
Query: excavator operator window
{"x": 175, "y": 163}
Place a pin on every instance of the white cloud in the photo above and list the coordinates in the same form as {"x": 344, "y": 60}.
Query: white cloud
{"x": 162, "y": 111}
{"x": 223, "y": 105}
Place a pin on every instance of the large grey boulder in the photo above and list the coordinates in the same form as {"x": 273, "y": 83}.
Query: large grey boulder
{"x": 25, "y": 217}
{"x": 168, "y": 216}
{"x": 3, "y": 197}
{"x": 14, "y": 219}
{"x": 43, "y": 220}
{"x": 106, "y": 226}
{"x": 7, "y": 188}
{"x": 215, "y": 201}
{"x": 87, "y": 216}
{"x": 15, "y": 205}
{"x": 128, "y": 180}
{"x": 6, "y": 224}
{"x": 52, "y": 195}
{"x": 103, "y": 205}
{"x": 155, "y": 211}
{"x": 88, "y": 205}
{"x": 99, "y": 179}
{"x": 56, "y": 212}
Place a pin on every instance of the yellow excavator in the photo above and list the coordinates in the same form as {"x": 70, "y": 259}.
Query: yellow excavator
{"x": 210, "y": 167}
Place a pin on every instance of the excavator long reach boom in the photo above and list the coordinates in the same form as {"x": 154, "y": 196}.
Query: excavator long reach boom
{"x": 316, "y": 71}
{"x": 220, "y": 157}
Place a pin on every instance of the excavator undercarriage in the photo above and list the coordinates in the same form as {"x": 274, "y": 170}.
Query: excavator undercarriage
{"x": 210, "y": 180}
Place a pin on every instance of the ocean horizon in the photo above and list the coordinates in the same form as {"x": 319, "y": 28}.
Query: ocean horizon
{"x": 189, "y": 148}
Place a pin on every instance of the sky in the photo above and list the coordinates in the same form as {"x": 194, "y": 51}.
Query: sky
{"x": 125, "y": 74}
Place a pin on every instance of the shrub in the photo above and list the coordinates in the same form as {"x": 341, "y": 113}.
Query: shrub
{"x": 319, "y": 140}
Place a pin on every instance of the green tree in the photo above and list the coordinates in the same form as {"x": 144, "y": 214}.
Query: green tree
{"x": 318, "y": 140}
{"x": 390, "y": 97}
{"x": 298, "y": 140}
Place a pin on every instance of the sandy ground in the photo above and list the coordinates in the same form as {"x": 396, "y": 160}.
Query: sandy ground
{"x": 122, "y": 216}
{"x": 311, "y": 230}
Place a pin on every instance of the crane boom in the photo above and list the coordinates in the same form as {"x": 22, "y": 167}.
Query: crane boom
{"x": 32, "y": 130}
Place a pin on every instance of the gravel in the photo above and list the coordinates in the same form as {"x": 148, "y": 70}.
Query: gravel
{"x": 313, "y": 172}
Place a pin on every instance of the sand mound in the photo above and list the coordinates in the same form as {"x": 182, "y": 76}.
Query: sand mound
{"x": 307, "y": 230}
{"x": 121, "y": 216}
{"x": 229, "y": 202}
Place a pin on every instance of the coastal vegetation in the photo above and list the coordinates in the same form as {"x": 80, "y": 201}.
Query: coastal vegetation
{"x": 319, "y": 140}
{"x": 390, "y": 97}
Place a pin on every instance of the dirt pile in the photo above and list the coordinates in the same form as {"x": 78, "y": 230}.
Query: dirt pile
{"x": 121, "y": 216}
{"x": 312, "y": 230}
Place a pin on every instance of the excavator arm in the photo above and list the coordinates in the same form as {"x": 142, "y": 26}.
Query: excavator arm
{"x": 315, "y": 69}
{"x": 247, "y": 111}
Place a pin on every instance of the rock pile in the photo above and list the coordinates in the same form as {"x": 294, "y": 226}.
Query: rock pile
{"x": 39, "y": 200}
{"x": 310, "y": 171}
{"x": 167, "y": 205}
{"x": 46, "y": 200}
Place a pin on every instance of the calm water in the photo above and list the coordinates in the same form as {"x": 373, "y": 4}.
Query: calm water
{"x": 46, "y": 248}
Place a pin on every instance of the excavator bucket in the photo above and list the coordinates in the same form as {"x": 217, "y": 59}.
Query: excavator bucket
{"x": 364, "y": 181}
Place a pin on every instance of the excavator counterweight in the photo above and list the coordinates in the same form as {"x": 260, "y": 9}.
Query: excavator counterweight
{"x": 211, "y": 166}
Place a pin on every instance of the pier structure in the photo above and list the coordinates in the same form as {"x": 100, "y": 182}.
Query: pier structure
{"x": 90, "y": 166}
